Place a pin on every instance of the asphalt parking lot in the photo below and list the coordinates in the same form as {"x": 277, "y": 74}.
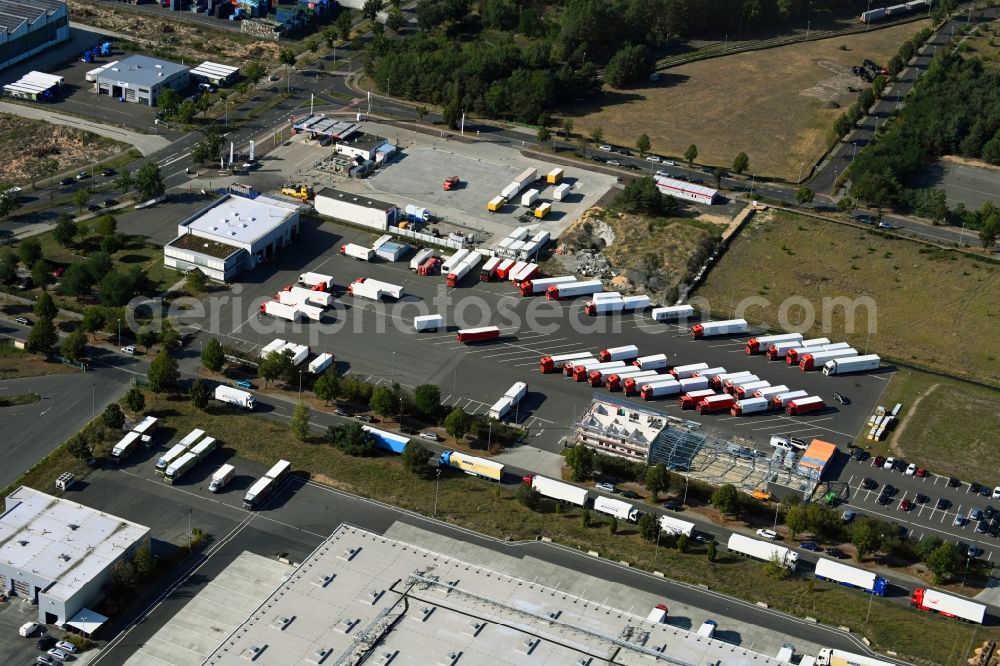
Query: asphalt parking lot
{"x": 376, "y": 340}
{"x": 15, "y": 648}
{"x": 964, "y": 183}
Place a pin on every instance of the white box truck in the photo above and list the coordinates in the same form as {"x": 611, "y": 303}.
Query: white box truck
{"x": 272, "y": 346}
{"x": 428, "y": 322}
{"x": 676, "y": 526}
{"x": 234, "y": 396}
{"x": 281, "y": 311}
{"x": 221, "y": 477}
{"x": 320, "y": 363}
{"x": 672, "y": 312}
{"x": 564, "y": 492}
{"x": 617, "y": 508}
{"x": 841, "y": 366}
{"x": 357, "y": 252}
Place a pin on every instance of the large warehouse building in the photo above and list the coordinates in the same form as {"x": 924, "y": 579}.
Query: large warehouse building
{"x": 141, "y": 79}
{"x": 28, "y": 27}
{"x": 356, "y": 209}
{"x": 60, "y": 554}
{"x": 232, "y": 235}
{"x": 680, "y": 189}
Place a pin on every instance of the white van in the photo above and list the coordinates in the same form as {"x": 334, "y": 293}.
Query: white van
{"x": 786, "y": 653}
{"x": 28, "y": 628}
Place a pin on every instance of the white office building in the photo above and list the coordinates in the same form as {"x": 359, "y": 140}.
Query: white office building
{"x": 232, "y": 235}
{"x": 59, "y": 554}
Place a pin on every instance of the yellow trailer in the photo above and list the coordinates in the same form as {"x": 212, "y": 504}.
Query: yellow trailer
{"x": 496, "y": 203}
{"x": 473, "y": 465}
{"x": 543, "y": 210}
{"x": 554, "y": 176}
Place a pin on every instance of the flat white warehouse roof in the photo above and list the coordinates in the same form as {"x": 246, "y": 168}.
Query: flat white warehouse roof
{"x": 61, "y": 541}
{"x": 684, "y": 186}
{"x": 361, "y": 593}
{"x": 214, "y": 69}
{"x": 236, "y": 219}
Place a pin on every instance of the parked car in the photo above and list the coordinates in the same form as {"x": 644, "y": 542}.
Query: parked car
{"x": 869, "y": 484}
{"x": 974, "y": 487}
{"x": 942, "y": 504}
{"x": 841, "y": 398}
{"x": 672, "y": 505}
{"x": 982, "y": 527}
{"x": 836, "y": 552}
{"x": 996, "y": 493}
{"x": 46, "y": 660}
{"x": 921, "y": 472}
{"x": 93, "y": 208}
{"x": 631, "y": 494}
{"x": 975, "y": 514}
{"x": 67, "y": 647}
{"x": 921, "y": 498}
{"x": 848, "y": 516}
{"x": 45, "y": 642}
{"x": 890, "y": 463}
{"x": 989, "y": 512}
{"x": 57, "y": 654}
{"x": 432, "y": 436}
{"x": 108, "y": 203}
{"x": 953, "y": 482}
{"x": 702, "y": 537}
{"x": 767, "y": 534}
{"x": 83, "y": 175}
{"x": 244, "y": 384}
{"x": 911, "y": 469}
{"x": 364, "y": 418}
{"x": 614, "y": 163}
{"x": 107, "y": 172}
{"x": 129, "y": 349}
{"x": 606, "y": 148}
{"x": 959, "y": 520}
{"x": 884, "y": 499}
{"x": 984, "y": 491}
{"x": 66, "y": 181}
{"x": 607, "y": 487}
{"x": 878, "y": 461}
{"x": 809, "y": 545}
{"x": 23, "y": 321}
{"x": 859, "y": 454}
{"x": 905, "y": 504}
{"x": 340, "y": 412}
{"x": 653, "y": 158}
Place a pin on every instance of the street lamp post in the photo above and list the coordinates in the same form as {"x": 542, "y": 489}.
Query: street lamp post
{"x": 868, "y": 23}
{"x": 776, "y": 507}
{"x": 392, "y": 373}
{"x": 300, "y": 383}
{"x": 685, "y": 500}
{"x": 437, "y": 485}
{"x": 93, "y": 392}
{"x": 656, "y": 551}
{"x": 119, "y": 332}
{"x": 854, "y": 152}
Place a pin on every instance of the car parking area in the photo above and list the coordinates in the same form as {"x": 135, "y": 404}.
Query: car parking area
{"x": 936, "y": 507}
{"x": 376, "y": 341}
{"x": 17, "y": 649}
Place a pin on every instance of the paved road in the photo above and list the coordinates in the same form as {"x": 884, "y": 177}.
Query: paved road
{"x": 299, "y": 518}
{"x": 147, "y": 144}
{"x": 890, "y": 102}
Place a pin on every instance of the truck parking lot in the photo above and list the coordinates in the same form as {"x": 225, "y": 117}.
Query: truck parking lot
{"x": 376, "y": 340}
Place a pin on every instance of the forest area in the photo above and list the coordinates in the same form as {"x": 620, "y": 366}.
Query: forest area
{"x": 520, "y": 60}
{"x": 954, "y": 109}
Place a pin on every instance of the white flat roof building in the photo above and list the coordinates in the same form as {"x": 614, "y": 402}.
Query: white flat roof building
{"x": 681, "y": 189}
{"x": 141, "y": 79}
{"x": 28, "y": 27}
{"x": 360, "y": 594}
{"x": 620, "y": 427}
{"x": 60, "y": 554}
{"x": 232, "y": 235}
{"x": 215, "y": 73}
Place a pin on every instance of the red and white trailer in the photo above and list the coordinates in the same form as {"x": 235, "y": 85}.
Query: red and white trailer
{"x": 720, "y": 379}
{"x": 711, "y": 373}
{"x": 478, "y": 334}
{"x": 684, "y": 371}
{"x": 421, "y": 256}
{"x": 527, "y": 272}
{"x": 652, "y": 362}
{"x": 761, "y": 343}
{"x": 616, "y": 382}
{"x": 801, "y": 406}
{"x": 569, "y": 366}
{"x": 598, "y": 377}
{"x": 660, "y": 389}
{"x": 549, "y": 364}
{"x": 624, "y": 353}
{"x": 431, "y": 266}
{"x": 281, "y": 311}
{"x": 693, "y": 384}
{"x": 749, "y": 406}
{"x": 817, "y": 360}
{"x": 715, "y": 403}
{"x": 620, "y": 304}
{"x": 795, "y": 354}
{"x": 541, "y": 285}
{"x": 780, "y": 349}
{"x": 692, "y": 398}
{"x": 573, "y": 289}
{"x": 926, "y": 599}
{"x": 456, "y": 274}
{"x": 503, "y": 268}
{"x": 357, "y": 252}
{"x": 779, "y": 401}
{"x": 725, "y": 327}
{"x": 316, "y": 281}
{"x": 582, "y": 372}
{"x": 672, "y": 312}
{"x": 488, "y": 271}
{"x": 746, "y": 389}
{"x": 770, "y": 391}
{"x": 729, "y": 385}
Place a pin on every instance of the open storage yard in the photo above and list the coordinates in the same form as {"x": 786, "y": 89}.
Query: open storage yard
{"x": 945, "y": 425}
{"x": 777, "y": 105}
{"x": 935, "y": 308}
{"x": 24, "y": 141}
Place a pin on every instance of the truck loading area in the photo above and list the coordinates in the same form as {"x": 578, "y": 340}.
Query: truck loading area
{"x": 377, "y": 340}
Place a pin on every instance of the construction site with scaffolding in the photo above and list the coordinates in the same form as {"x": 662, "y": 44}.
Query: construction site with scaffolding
{"x": 365, "y": 598}
{"x": 620, "y": 427}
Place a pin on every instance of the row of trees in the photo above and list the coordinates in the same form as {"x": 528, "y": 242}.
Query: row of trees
{"x": 954, "y": 109}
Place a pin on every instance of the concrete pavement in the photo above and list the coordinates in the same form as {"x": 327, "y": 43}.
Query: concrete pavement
{"x": 147, "y": 144}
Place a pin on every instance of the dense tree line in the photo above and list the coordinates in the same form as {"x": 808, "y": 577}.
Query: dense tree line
{"x": 954, "y": 109}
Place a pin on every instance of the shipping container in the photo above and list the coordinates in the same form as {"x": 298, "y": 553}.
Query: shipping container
{"x": 496, "y": 204}
{"x": 570, "y": 366}
{"x": 320, "y": 363}
{"x": 779, "y": 401}
{"x": 529, "y": 197}
{"x": 517, "y": 391}
{"x": 554, "y": 176}
{"x": 729, "y": 385}
{"x": 581, "y": 372}
{"x": 428, "y": 322}
{"x": 685, "y": 371}
{"x": 125, "y": 447}
{"x": 173, "y": 454}
{"x": 387, "y": 441}
{"x": 357, "y": 252}
{"x": 503, "y": 268}
{"x": 500, "y": 408}
{"x": 524, "y": 274}
{"x": 693, "y": 384}
{"x": 711, "y": 373}
{"x": 616, "y": 381}
{"x": 770, "y": 391}
{"x": 272, "y": 346}
{"x": 719, "y": 380}
{"x": 454, "y": 260}
{"x": 315, "y": 279}
{"x": 560, "y": 192}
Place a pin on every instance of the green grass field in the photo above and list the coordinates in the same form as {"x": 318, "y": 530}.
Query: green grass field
{"x": 930, "y": 308}
{"x": 16, "y": 363}
{"x": 946, "y": 425}
{"x": 493, "y": 510}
